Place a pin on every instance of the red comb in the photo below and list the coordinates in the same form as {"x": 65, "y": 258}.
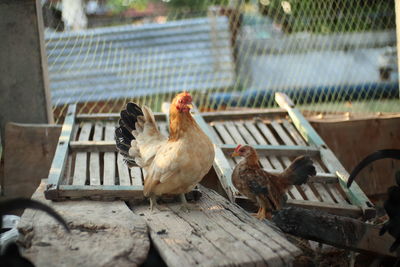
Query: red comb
{"x": 237, "y": 148}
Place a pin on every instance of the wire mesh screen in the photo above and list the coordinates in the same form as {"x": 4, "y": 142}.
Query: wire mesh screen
{"x": 333, "y": 55}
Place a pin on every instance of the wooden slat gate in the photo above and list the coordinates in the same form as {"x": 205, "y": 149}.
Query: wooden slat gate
{"x": 87, "y": 165}
{"x": 280, "y": 135}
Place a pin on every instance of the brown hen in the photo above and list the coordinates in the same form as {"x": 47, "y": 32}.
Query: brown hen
{"x": 266, "y": 189}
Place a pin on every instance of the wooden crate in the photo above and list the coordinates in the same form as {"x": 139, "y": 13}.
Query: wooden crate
{"x": 86, "y": 164}
{"x": 280, "y": 135}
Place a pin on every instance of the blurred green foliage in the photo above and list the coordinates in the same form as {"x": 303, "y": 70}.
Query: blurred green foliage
{"x": 176, "y": 6}
{"x": 330, "y": 16}
{"x": 118, "y": 6}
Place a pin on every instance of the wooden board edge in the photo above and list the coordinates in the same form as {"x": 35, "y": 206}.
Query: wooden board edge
{"x": 60, "y": 157}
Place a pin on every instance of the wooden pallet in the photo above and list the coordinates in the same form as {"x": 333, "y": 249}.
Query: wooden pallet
{"x": 86, "y": 164}
{"x": 279, "y": 135}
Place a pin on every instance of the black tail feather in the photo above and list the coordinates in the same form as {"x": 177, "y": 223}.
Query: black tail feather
{"x": 134, "y": 109}
{"x": 300, "y": 170}
{"x": 123, "y": 133}
{"x": 123, "y": 140}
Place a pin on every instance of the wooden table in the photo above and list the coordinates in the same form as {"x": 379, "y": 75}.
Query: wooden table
{"x": 111, "y": 234}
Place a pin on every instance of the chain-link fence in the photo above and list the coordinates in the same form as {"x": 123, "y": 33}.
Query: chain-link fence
{"x": 333, "y": 55}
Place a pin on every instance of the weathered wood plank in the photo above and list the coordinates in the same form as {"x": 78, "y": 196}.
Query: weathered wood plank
{"x": 208, "y": 116}
{"x": 136, "y": 176}
{"x": 220, "y": 233}
{"x": 215, "y": 133}
{"x": 105, "y": 192}
{"x": 79, "y": 177}
{"x": 60, "y": 157}
{"x": 123, "y": 171}
{"x": 323, "y": 193}
{"x": 243, "y": 114}
{"x": 93, "y": 146}
{"x": 102, "y": 234}
{"x": 276, "y": 150}
{"x": 109, "y": 157}
{"x": 233, "y": 131}
{"x": 94, "y": 164}
{"x": 338, "y": 193}
{"x": 338, "y": 231}
{"x": 112, "y": 117}
{"x": 224, "y": 133}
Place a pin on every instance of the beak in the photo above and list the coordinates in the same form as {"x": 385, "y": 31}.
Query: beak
{"x": 235, "y": 154}
{"x": 190, "y": 106}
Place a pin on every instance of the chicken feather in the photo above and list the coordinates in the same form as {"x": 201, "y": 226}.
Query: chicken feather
{"x": 173, "y": 165}
{"x": 266, "y": 189}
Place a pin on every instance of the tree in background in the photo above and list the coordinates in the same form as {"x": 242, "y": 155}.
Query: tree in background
{"x": 176, "y": 6}
{"x": 330, "y": 16}
{"x": 118, "y": 6}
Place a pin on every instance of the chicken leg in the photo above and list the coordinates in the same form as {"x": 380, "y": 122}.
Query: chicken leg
{"x": 154, "y": 204}
{"x": 185, "y": 206}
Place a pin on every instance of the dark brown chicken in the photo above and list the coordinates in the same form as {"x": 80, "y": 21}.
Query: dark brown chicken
{"x": 266, "y": 189}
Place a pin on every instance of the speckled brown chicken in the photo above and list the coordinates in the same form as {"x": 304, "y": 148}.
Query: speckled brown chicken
{"x": 266, "y": 189}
